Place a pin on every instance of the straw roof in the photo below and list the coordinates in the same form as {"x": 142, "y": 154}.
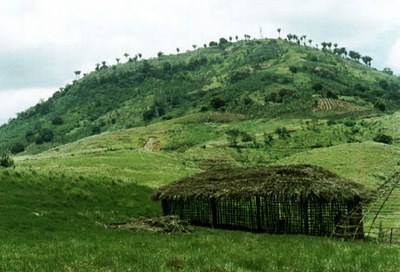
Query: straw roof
{"x": 305, "y": 181}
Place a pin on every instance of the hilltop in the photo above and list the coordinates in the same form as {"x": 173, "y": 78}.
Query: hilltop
{"x": 267, "y": 78}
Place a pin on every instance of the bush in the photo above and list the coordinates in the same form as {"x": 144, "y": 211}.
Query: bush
{"x": 317, "y": 87}
{"x": 57, "y": 121}
{"x": 47, "y": 135}
{"x": 217, "y": 103}
{"x": 293, "y": 69}
{"x": 379, "y": 105}
{"x": 6, "y": 161}
{"x": 18, "y": 148}
{"x": 282, "y": 132}
{"x": 331, "y": 122}
{"x": 383, "y": 138}
{"x": 96, "y": 130}
{"x": 350, "y": 123}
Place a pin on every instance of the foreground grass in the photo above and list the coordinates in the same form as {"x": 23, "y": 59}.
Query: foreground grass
{"x": 205, "y": 250}
{"x": 55, "y": 222}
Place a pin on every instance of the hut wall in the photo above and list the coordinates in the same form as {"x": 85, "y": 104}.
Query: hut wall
{"x": 272, "y": 214}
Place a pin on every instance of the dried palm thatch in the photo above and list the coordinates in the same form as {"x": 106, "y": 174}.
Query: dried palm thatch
{"x": 302, "y": 181}
{"x": 164, "y": 224}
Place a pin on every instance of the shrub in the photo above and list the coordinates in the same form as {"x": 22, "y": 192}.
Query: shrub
{"x": 57, "y": 121}
{"x": 232, "y": 136}
{"x": 217, "y": 103}
{"x": 39, "y": 140}
{"x": 6, "y": 161}
{"x": 96, "y": 130}
{"x": 246, "y": 137}
{"x": 282, "y": 132}
{"x": 331, "y": 122}
{"x": 383, "y": 138}
{"x": 293, "y": 69}
{"x": 46, "y": 134}
{"x": 332, "y": 94}
{"x": 350, "y": 123}
{"x": 379, "y": 105}
{"x": 18, "y": 148}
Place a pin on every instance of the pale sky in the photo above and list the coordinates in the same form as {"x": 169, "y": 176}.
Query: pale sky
{"x": 43, "y": 41}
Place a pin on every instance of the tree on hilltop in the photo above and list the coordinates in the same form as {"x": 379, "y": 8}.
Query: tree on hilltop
{"x": 354, "y": 55}
{"x": 279, "y": 32}
{"x": 367, "y": 60}
{"x": 126, "y": 55}
{"x": 117, "y": 59}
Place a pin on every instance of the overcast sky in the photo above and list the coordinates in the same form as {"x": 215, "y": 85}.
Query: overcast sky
{"x": 43, "y": 41}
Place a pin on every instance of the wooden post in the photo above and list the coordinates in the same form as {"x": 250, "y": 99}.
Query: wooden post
{"x": 213, "y": 204}
{"x": 258, "y": 204}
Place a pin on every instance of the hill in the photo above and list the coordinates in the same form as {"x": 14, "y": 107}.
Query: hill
{"x": 265, "y": 78}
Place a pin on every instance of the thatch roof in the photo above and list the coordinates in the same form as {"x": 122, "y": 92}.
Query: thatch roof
{"x": 305, "y": 181}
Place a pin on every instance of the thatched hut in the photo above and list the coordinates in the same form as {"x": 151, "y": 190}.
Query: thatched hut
{"x": 298, "y": 199}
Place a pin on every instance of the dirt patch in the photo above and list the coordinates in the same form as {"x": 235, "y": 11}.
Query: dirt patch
{"x": 162, "y": 224}
{"x": 152, "y": 145}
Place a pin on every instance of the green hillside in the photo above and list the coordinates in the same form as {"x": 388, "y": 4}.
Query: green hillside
{"x": 94, "y": 153}
{"x": 265, "y": 78}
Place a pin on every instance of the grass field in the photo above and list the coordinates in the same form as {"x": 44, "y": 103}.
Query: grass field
{"x": 53, "y": 206}
{"x": 54, "y": 222}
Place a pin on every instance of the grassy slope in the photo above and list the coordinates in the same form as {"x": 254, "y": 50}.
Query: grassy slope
{"x": 242, "y": 74}
{"x": 368, "y": 163}
{"x": 54, "y": 222}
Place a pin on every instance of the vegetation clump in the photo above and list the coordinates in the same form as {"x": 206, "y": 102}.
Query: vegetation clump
{"x": 6, "y": 161}
{"x": 383, "y": 138}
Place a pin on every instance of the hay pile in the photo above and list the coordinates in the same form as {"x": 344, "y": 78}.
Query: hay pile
{"x": 163, "y": 224}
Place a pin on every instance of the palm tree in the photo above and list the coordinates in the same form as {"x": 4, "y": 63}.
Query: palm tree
{"x": 140, "y": 55}
{"x": 310, "y": 42}
{"x": 97, "y": 66}
{"x": 194, "y": 46}
{"x": 117, "y": 59}
{"x": 230, "y": 38}
{"x": 279, "y": 32}
{"x": 237, "y": 38}
{"x": 177, "y": 50}
{"x": 160, "y": 54}
{"x": 77, "y": 73}
{"x": 126, "y": 55}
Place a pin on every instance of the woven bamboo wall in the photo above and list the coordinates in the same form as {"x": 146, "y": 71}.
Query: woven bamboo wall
{"x": 273, "y": 214}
